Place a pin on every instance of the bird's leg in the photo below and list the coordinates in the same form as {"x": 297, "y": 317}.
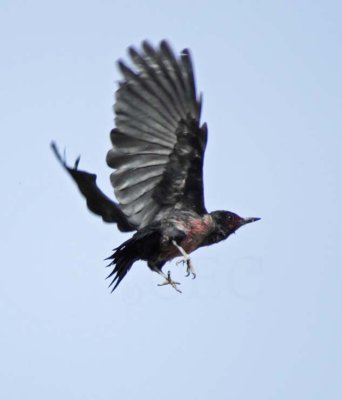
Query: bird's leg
{"x": 186, "y": 259}
{"x": 169, "y": 281}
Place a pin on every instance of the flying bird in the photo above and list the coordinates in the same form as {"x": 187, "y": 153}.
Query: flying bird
{"x": 157, "y": 153}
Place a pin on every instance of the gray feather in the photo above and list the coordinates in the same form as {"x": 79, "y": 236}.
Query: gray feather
{"x": 124, "y": 178}
{"x": 158, "y": 146}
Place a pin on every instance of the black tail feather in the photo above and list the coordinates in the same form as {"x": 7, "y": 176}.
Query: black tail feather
{"x": 139, "y": 247}
{"x": 123, "y": 258}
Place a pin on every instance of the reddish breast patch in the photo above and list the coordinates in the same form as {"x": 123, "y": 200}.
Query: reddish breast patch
{"x": 198, "y": 230}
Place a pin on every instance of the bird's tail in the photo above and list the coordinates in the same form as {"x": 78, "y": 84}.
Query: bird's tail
{"x": 138, "y": 247}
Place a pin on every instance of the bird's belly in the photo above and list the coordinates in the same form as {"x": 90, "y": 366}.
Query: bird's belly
{"x": 191, "y": 242}
{"x": 196, "y": 230}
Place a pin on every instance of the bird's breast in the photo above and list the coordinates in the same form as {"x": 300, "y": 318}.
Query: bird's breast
{"x": 195, "y": 229}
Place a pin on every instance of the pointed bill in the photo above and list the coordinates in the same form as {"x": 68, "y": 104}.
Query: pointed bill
{"x": 250, "y": 219}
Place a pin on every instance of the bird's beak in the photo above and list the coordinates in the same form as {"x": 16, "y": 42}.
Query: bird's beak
{"x": 249, "y": 220}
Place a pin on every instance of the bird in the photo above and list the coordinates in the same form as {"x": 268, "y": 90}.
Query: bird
{"x": 157, "y": 154}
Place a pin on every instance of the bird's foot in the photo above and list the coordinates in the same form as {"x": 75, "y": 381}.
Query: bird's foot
{"x": 189, "y": 266}
{"x": 169, "y": 281}
{"x": 186, "y": 259}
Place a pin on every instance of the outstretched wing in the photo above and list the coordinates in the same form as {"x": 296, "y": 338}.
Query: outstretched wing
{"x": 97, "y": 201}
{"x": 158, "y": 143}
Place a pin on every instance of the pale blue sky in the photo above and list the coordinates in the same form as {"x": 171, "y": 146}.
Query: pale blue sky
{"x": 263, "y": 318}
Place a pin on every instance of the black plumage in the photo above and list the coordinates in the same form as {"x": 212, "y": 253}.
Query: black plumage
{"x": 157, "y": 155}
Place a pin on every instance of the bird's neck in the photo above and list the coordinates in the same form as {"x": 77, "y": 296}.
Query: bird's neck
{"x": 218, "y": 233}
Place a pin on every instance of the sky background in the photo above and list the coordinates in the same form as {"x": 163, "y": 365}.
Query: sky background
{"x": 263, "y": 318}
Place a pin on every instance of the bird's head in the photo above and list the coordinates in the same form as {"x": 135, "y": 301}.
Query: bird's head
{"x": 229, "y": 222}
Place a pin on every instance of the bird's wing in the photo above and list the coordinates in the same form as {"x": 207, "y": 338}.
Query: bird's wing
{"x": 97, "y": 201}
{"x": 158, "y": 143}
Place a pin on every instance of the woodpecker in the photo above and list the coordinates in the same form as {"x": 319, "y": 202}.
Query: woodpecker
{"x": 157, "y": 155}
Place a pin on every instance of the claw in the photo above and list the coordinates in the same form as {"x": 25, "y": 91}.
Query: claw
{"x": 186, "y": 259}
{"x": 169, "y": 281}
{"x": 190, "y": 269}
